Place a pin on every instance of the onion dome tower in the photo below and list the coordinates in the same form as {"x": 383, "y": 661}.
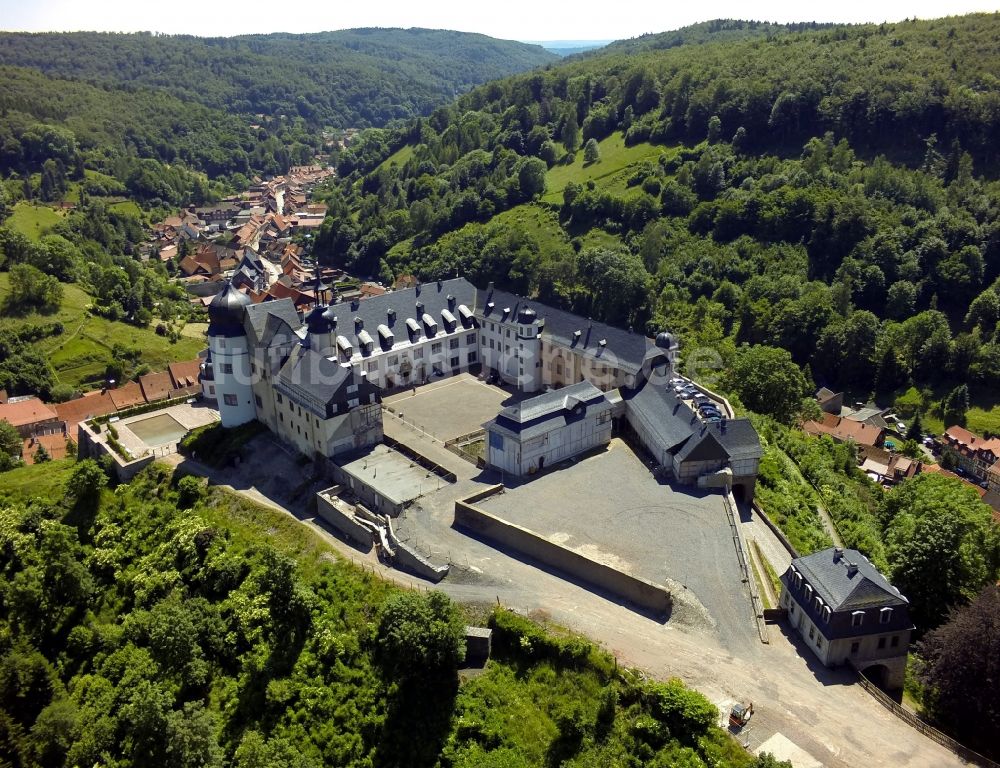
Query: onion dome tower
{"x": 230, "y": 353}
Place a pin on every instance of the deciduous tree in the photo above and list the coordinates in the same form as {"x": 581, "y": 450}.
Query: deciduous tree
{"x": 960, "y": 672}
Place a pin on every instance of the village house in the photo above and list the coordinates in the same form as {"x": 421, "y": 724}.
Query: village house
{"x": 845, "y": 430}
{"x": 975, "y": 455}
{"x": 30, "y": 416}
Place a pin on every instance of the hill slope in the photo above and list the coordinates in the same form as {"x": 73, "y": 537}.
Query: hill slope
{"x": 356, "y": 77}
{"x": 830, "y": 192}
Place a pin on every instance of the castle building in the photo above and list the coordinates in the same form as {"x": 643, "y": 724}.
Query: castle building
{"x": 317, "y": 381}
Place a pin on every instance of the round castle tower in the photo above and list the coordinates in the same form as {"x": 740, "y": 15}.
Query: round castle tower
{"x": 230, "y": 354}
{"x": 529, "y": 351}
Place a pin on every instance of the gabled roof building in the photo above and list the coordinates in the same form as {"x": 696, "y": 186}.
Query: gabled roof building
{"x": 848, "y": 613}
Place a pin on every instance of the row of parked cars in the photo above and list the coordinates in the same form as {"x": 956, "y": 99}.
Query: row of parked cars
{"x": 702, "y": 403}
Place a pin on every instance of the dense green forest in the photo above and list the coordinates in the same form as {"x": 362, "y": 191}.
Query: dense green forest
{"x": 714, "y": 31}
{"x": 166, "y": 624}
{"x": 827, "y": 192}
{"x": 348, "y": 78}
{"x": 158, "y": 148}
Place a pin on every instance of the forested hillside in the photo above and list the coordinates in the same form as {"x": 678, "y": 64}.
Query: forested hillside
{"x": 168, "y": 625}
{"x": 715, "y": 31}
{"x": 349, "y": 78}
{"x": 828, "y": 192}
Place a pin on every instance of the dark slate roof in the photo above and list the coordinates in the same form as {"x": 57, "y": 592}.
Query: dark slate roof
{"x": 317, "y": 383}
{"x": 672, "y": 422}
{"x": 867, "y": 588}
{"x": 559, "y": 326}
{"x": 738, "y": 436}
{"x": 225, "y": 311}
{"x": 548, "y": 411}
{"x": 276, "y": 331}
{"x": 669, "y": 419}
{"x": 703, "y": 447}
{"x": 256, "y": 316}
{"x": 374, "y": 311}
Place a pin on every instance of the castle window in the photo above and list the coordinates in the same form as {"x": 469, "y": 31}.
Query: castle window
{"x": 857, "y": 618}
{"x": 885, "y": 616}
{"x": 226, "y": 367}
{"x": 230, "y": 400}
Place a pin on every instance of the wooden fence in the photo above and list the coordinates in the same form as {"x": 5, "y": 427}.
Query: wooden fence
{"x": 930, "y": 732}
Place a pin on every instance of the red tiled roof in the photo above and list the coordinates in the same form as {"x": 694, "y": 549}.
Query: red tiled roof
{"x": 127, "y": 395}
{"x": 845, "y": 429}
{"x": 371, "y": 289}
{"x": 185, "y": 374}
{"x": 26, "y": 412}
{"x": 156, "y": 386}
{"x": 83, "y": 408}
{"x": 55, "y": 445}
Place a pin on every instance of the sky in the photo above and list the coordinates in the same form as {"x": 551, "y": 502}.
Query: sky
{"x": 508, "y": 19}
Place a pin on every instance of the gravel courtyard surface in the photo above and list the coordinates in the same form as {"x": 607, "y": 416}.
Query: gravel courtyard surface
{"x": 611, "y": 508}
{"x": 451, "y": 407}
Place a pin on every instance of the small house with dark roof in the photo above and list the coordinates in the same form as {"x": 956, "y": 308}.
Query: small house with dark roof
{"x": 848, "y": 613}
{"x": 549, "y": 428}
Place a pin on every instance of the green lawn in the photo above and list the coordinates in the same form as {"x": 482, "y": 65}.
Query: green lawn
{"x": 32, "y": 220}
{"x": 128, "y": 207}
{"x": 615, "y": 158}
{"x": 981, "y": 420}
{"x": 43, "y": 482}
{"x": 539, "y": 221}
{"x": 399, "y": 157}
{"x": 982, "y": 417}
{"x": 82, "y": 352}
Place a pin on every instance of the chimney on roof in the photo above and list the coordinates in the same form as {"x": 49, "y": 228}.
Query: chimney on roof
{"x": 416, "y": 288}
{"x": 852, "y": 568}
{"x": 837, "y": 554}
{"x": 420, "y": 308}
{"x": 440, "y": 283}
{"x": 489, "y": 287}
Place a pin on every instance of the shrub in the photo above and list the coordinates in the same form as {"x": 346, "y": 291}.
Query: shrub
{"x": 188, "y": 491}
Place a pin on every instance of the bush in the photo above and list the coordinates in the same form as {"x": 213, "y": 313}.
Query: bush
{"x": 518, "y": 636}
{"x": 216, "y": 445}
{"x": 188, "y": 491}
